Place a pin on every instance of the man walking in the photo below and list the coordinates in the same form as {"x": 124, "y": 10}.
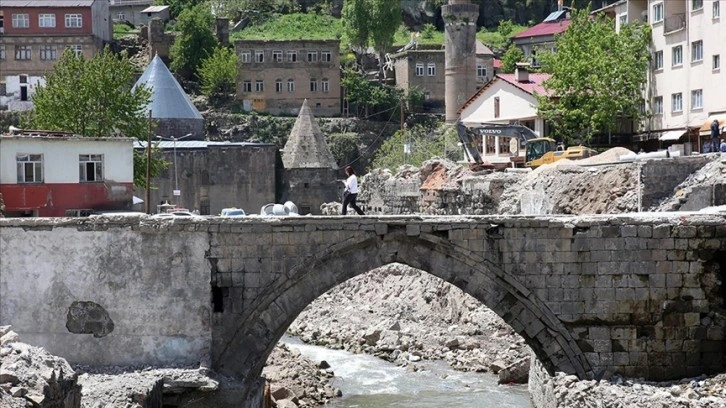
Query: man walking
{"x": 715, "y": 136}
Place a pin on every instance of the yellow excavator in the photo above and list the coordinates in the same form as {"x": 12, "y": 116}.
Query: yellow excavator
{"x": 544, "y": 150}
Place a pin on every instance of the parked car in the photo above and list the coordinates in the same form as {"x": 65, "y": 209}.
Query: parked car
{"x": 232, "y": 212}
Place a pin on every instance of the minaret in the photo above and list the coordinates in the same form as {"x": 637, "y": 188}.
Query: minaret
{"x": 460, "y": 54}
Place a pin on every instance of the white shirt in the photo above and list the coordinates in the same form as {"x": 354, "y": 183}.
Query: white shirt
{"x": 351, "y": 184}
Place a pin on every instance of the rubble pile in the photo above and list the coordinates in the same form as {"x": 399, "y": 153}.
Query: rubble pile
{"x": 32, "y": 377}
{"x": 404, "y": 315}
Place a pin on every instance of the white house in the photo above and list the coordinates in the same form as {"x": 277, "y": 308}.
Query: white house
{"x": 507, "y": 99}
{"x": 50, "y": 174}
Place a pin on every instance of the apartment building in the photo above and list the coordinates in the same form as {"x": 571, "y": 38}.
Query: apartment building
{"x": 686, "y": 85}
{"x": 423, "y": 67}
{"x": 34, "y": 34}
{"x": 277, "y": 76}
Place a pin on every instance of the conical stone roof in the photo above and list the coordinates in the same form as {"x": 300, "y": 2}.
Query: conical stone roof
{"x": 306, "y": 147}
{"x": 168, "y": 99}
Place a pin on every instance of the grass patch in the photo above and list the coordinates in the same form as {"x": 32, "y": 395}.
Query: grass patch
{"x": 494, "y": 40}
{"x": 297, "y": 26}
{"x": 122, "y": 30}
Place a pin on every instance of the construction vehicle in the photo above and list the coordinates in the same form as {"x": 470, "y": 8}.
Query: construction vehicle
{"x": 544, "y": 150}
{"x": 471, "y": 147}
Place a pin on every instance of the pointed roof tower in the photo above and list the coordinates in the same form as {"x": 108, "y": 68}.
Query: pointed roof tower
{"x": 168, "y": 99}
{"x": 306, "y": 147}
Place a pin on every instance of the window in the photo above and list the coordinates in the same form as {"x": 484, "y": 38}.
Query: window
{"x": 46, "y": 20}
{"x": 716, "y": 61}
{"x": 696, "y": 4}
{"x": 77, "y": 50}
{"x": 259, "y": 86}
{"x": 325, "y": 56}
{"x": 697, "y": 51}
{"x": 22, "y": 52}
{"x": 30, "y": 168}
{"x": 496, "y": 106}
{"x": 247, "y": 86}
{"x": 246, "y": 56}
{"x": 658, "y": 12}
{"x": 481, "y": 71}
{"x": 90, "y": 167}
{"x": 21, "y": 20}
{"x": 278, "y": 85}
{"x": 325, "y": 85}
{"x": 259, "y": 56}
{"x": 313, "y": 85}
{"x": 121, "y": 16}
{"x": 623, "y": 19}
{"x": 716, "y": 9}
{"x": 290, "y": 85}
{"x": 419, "y": 69}
{"x": 74, "y": 21}
{"x": 2, "y": 53}
{"x": 677, "y": 102}
{"x": 292, "y": 56}
{"x": 697, "y": 99}
{"x": 431, "y": 69}
{"x": 48, "y": 52}
{"x": 677, "y": 57}
{"x": 658, "y": 105}
{"x": 312, "y": 56}
{"x": 658, "y": 60}
{"x": 277, "y": 56}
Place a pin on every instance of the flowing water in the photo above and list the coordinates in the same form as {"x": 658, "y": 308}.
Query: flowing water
{"x": 369, "y": 382}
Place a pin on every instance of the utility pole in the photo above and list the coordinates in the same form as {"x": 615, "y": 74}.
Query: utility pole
{"x": 148, "y": 166}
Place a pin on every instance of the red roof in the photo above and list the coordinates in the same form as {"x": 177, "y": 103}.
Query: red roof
{"x": 533, "y": 85}
{"x": 543, "y": 29}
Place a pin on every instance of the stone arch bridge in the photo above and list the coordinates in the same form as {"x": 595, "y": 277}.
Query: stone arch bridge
{"x": 641, "y": 295}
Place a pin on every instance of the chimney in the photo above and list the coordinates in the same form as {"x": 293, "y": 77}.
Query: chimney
{"x": 521, "y": 73}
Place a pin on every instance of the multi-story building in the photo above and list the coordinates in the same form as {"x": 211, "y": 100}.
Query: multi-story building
{"x": 54, "y": 174}
{"x": 34, "y": 34}
{"x": 277, "y": 76}
{"x": 541, "y": 37}
{"x": 423, "y": 67}
{"x": 686, "y": 88}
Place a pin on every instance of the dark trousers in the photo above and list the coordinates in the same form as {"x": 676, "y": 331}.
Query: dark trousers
{"x": 350, "y": 199}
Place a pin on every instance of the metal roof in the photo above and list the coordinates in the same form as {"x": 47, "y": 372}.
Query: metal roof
{"x": 168, "y": 99}
{"x": 194, "y": 144}
{"x": 154, "y": 9}
{"x": 46, "y": 3}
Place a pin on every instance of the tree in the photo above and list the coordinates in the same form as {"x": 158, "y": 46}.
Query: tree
{"x": 96, "y": 97}
{"x": 416, "y": 145}
{"x": 177, "y": 6}
{"x": 511, "y": 58}
{"x": 92, "y": 97}
{"x": 218, "y": 73}
{"x": 372, "y": 22}
{"x": 195, "y": 41}
{"x": 598, "y": 76}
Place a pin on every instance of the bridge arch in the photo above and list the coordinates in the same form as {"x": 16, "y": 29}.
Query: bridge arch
{"x": 253, "y": 338}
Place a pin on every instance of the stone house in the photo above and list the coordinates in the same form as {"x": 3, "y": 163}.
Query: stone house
{"x": 33, "y": 36}
{"x": 130, "y": 10}
{"x": 424, "y": 67}
{"x": 211, "y": 176}
{"x": 277, "y": 76}
{"x": 542, "y": 36}
{"x": 310, "y": 168}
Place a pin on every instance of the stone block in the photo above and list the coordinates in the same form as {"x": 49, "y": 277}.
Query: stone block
{"x": 661, "y": 231}
{"x": 645, "y": 231}
{"x": 628, "y": 231}
{"x": 599, "y": 333}
{"x": 684, "y": 231}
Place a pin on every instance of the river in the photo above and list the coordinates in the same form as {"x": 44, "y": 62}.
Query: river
{"x": 369, "y": 382}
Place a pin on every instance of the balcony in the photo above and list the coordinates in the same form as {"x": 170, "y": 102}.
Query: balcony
{"x": 675, "y": 22}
